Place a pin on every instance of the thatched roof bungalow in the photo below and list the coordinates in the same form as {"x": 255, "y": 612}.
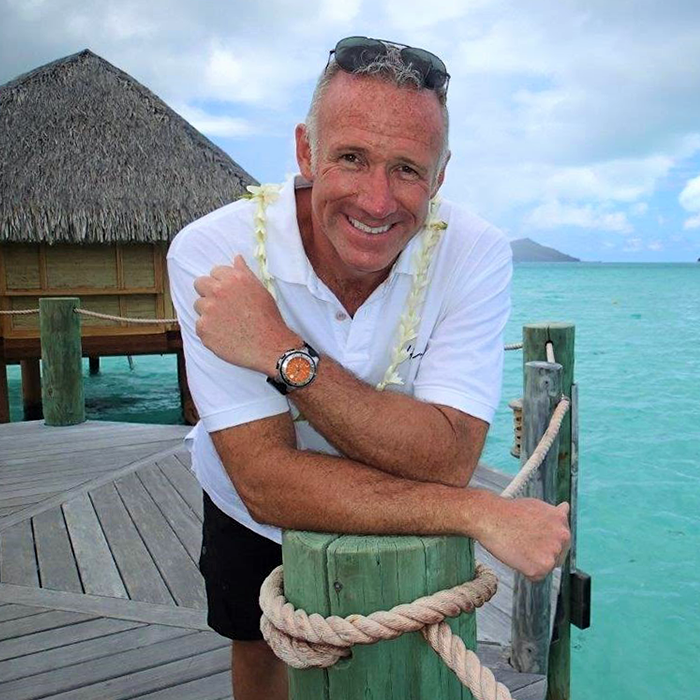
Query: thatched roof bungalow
{"x": 97, "y": 175}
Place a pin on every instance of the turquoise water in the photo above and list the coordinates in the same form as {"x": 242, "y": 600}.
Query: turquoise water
{"x": 638, "y": 369}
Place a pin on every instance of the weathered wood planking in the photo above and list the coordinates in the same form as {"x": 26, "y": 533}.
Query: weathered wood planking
{"x": 57, "y": 567}
{"x": 133, "y": 685}
{"x": 110, "y": 668}
{"x": 139, "y": 572}
{"x": 17, "y": 556}
{"x": 80, "y": 652}
{"x": 176, "y": 566}
{"x": 98, "y": 572}
{"x": 183, "y": 480}
{"x": 216, "y": 687}
{"x": 174, "y": 509}
{"x": 89, "y": 628}
{"x": 109, "y": 607}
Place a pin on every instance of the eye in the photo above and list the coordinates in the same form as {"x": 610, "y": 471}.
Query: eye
{"x": 351, "y": 158}
{"x": 408, "y": 173}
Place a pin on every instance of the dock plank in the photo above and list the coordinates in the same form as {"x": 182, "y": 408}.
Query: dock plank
{"x": 18, "y": 563}
{"x": 184, "y": 481}
{"x": 80, "y": 652}
{"x": 180, "y": 516}
{"x": 216, "y": 687}
{"x": 107, "y": 607}
{"x": 133, "y": 685}
{"x": 98, "y": 572}
{"x": 90, "y": 628}
{"x": 57, "y": 567}
{"x": 141, "y": 577}
{"x": 174, "y": 563}
{"x": 110, "y": 667}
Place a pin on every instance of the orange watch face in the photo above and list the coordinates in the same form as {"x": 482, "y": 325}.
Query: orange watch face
{"x": 298, "y": 370}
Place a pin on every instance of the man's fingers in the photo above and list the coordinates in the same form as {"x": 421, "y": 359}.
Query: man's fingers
{"x": 202, "y": 285}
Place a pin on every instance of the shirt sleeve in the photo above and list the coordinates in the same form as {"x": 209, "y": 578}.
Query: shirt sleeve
{"x": 463, "y": 362}
{"x": 225, "y": 395}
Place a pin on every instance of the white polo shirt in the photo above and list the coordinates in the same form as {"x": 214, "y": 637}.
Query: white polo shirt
{"x": 456, "y": 360}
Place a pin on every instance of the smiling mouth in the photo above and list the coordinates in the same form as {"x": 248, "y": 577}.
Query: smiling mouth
{"x": 373, "y": 230}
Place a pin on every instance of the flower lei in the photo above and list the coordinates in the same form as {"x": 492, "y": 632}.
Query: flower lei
{"x": 264, "y": 195}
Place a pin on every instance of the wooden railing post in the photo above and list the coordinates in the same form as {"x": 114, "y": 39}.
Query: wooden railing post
{"x": 532, "y": 600}
{"x": 4, "y": 389}
{"x": 61, "y": 361}
{"x": 343, "y": 574}
{"x": 535, "y": 339}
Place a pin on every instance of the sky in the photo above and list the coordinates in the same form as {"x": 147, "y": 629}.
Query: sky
{"x": 574, "y": 123}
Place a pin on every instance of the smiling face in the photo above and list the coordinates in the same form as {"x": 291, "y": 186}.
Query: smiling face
{"x": 376, "y": 167}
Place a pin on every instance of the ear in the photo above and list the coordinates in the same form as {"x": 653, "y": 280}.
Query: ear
{"x": 303, "y": 152}
{"x": 441, "y": 175}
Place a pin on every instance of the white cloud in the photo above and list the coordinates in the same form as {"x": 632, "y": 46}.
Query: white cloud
{"x": 692, "y": 222}
{"x": 639, "y": 209}
{"x": 214, "y": 124}
{"x": 656, "y": 246}
{"x": 554, "y": 214}
{"x": 689, "y": 198}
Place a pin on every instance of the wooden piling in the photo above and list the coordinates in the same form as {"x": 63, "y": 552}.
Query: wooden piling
{"x": 532, "y": 600}
{"x": 31, "y": 389}
{"x": 61, "y": 361}
{"x": 94, "y": 363}
{"x": 535, "y": 338}
{"x": 343, "y": 574}
{"x": 4, "y": 389}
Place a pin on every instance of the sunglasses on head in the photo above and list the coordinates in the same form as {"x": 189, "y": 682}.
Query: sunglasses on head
{"x": 356, "y": 52}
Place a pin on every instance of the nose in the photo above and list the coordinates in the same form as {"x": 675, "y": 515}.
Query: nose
{"x": 376, "y": 196}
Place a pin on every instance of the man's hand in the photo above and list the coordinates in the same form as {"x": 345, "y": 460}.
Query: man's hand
{"x": 528, "y": 535}
{"x": 239, "y": 320}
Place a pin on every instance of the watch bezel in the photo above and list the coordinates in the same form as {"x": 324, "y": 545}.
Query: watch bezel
{"x": 292, "y": 355}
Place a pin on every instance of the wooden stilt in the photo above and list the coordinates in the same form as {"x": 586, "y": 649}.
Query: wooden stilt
{"x": 4, "y": 391}
{"x": 189, "y": 410}
{"x": 94, "y": 364}
{"x": 31, "y": 389}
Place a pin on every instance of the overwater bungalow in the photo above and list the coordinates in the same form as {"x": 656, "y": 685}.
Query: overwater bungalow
{"x": 97, "y": 175}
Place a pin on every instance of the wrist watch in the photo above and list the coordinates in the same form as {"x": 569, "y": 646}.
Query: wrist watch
{"x": 296, "y": 368}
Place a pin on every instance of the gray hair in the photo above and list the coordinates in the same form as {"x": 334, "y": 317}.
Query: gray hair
{"x": 389, "y": 68}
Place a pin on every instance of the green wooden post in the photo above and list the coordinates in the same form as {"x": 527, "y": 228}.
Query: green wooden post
{"x": 345, "y": 574}
{"x": 535, "y": 338}
{"x": 61, "y": 361}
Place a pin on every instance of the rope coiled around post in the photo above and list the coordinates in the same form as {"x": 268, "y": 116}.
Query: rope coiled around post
{"x": 306, "y": 641}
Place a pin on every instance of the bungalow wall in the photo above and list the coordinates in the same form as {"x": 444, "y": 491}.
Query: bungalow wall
{"x": 124, "y": 279}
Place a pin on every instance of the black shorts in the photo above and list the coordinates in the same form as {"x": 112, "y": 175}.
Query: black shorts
{"x": 234, "y": 562}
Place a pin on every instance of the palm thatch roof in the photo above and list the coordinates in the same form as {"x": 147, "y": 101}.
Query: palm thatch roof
{"x": 88, "y": 154}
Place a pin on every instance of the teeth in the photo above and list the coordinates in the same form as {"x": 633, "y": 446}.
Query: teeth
{"x": 368, "y": 229}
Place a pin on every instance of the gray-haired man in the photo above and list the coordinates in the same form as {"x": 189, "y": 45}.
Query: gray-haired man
{"x": 375, "y": 288}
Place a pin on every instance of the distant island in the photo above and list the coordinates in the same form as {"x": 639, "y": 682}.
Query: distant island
{"x": 527, "y": 250}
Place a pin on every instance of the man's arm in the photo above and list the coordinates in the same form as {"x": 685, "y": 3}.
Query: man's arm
{"x": 391, "y": 431}
{"x": 295, "y": 489}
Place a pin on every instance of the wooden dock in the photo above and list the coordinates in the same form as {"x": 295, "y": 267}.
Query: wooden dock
{"x": 100, "y": 596}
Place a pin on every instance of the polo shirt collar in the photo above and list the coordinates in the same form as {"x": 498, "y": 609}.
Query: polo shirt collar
{"x": 286, "y": 257}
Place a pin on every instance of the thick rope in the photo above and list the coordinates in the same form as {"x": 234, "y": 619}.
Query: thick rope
{"x": 305, "y": 641}
{"x": 528, "y": 470}
{"x": 513, "y": 346}
{"x": 19, "y": 312}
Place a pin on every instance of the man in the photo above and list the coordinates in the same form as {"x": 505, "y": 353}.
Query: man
{"x": 344, "y": 250}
